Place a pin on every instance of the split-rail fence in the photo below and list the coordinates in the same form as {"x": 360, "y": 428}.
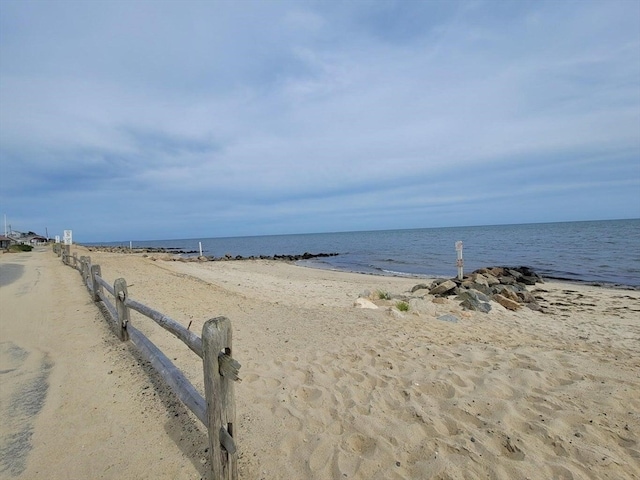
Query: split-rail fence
{"x": 217, "y": 409}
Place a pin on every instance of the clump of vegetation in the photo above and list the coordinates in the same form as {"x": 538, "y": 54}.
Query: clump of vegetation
{"x": 20, "y": 247}
{"x": 382, "y": 295}
{"x": 402, "y": 306}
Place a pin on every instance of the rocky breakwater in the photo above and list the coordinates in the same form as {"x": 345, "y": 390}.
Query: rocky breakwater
{"x": 228, "y": 257}
{"x": 143, "y": 250}
{"x": 179, "y": 255}
{"x": 477, "y": 291}
{"x": 504, "y": 285}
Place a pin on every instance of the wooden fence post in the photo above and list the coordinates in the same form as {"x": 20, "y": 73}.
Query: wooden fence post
{"x": 220, "y": 371}
{"x": 120, "y": 294}
{"x": 95, "y": 286}
{"x": 83, "y": 262}
{"x": 87, "y": 273}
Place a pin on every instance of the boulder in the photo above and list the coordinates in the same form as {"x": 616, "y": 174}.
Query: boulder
{"x": 474, "y": 300}
{"x": 511, "y": 295}
{"x": 514, "y": 273}
{"x": 420, "y": 286}
{"x": 525, "y": 297}
{"x": 475, "y": 305}
{"x": 422, "y": 306}
{"x": 481, "y": 288}
{"x": 473, "y": 295}
{"x": 443, "y": 287}
{"x": 480, "y": 279}
{"x": 506, "y": 302}
{"x": 365, "y": 303}
{"x": 507, "y": 280}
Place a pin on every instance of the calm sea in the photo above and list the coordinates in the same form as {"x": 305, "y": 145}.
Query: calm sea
{"x": 601, "y": 252}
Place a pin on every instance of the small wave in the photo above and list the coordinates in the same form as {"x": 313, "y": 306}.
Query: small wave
{"x": 402, "y": 274}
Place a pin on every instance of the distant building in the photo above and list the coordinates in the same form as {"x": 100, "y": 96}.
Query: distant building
{"x": 5, "y": 242}
{"x": 37, "y": 240}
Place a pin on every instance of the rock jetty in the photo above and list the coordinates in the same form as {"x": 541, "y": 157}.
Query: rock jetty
{"x": 504, "y": 285}
{"x": 177, "y": 254}
{"x": 476, "y": 292}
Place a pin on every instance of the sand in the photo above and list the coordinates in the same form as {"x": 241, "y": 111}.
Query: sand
{"x": 329, "y": 390}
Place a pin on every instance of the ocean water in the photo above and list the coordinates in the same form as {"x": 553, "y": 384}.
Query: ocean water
{"x": 600, "y": 252}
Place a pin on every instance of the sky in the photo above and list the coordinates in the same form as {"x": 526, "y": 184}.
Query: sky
{"x": 149, "y": 120}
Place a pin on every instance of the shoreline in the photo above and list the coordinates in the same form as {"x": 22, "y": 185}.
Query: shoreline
{"x": 311, "y": 260}
{"x": 334, "y": 388}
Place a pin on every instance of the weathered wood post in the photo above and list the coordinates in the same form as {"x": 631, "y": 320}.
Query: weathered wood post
{"x": 220, "y": 371}
{"x": 96, "y": 287}
{"x": 75, "y": 259}
{"x": 66, "y": 252}
{"x": 120, "y": 294}
{"x": 86, "y": 272}
{"x": 83, "y": 266}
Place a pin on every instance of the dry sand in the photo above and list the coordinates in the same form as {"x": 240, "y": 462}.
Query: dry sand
{"x": 329, "y": 390}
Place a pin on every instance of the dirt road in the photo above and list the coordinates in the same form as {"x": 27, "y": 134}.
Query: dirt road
{"x": 74, "y": 402}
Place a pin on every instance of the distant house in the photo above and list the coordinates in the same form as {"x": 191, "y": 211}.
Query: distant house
{"x": 4, "y": 242}
{"x": 37, "y": 240}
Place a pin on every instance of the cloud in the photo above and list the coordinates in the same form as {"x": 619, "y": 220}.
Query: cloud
{"x": 280, "y": 117}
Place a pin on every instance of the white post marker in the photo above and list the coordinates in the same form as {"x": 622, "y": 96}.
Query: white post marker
{"x": 200, "y": 243}
{"x": 57, "y": 238}
{"x": 459, "y": 262}
{"x": 130, "y": 245}
{"x": 68, "y": 237}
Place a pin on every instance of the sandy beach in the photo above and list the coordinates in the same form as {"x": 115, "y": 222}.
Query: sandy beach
{"x": 329, "y": 390}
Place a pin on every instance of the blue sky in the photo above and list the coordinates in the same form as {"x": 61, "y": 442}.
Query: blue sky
{"x": 145, "y": 120}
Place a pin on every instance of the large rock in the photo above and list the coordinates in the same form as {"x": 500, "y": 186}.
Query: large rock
{"x": 473, "y": 295}
{"x": 528, "y": 280}
{"x": 422, "y": 306}
{"x": 443, "y": 287}
{"x": 481, "y": 288}
{"x": 365, "y": 303}
{"x": 480, "y": 279}
{"x": 470, "y": 304}
{"x": 420, "y": 286}
{"x": 473, "y": 300}
{"x": 526, "y": 297}
{"x": 506, "y": 302}
{"x": 511, "y": 295}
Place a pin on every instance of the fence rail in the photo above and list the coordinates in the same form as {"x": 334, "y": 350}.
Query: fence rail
{"x": 216, "y": 410}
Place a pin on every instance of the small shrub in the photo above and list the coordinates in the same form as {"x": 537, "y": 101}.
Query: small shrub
{"x": 402, "y": 306}
{"x": 384, "y": 295}
{"x": 20, "y": 247}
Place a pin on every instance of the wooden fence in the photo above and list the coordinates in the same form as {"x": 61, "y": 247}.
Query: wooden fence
{"x": 217, "y": 409}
